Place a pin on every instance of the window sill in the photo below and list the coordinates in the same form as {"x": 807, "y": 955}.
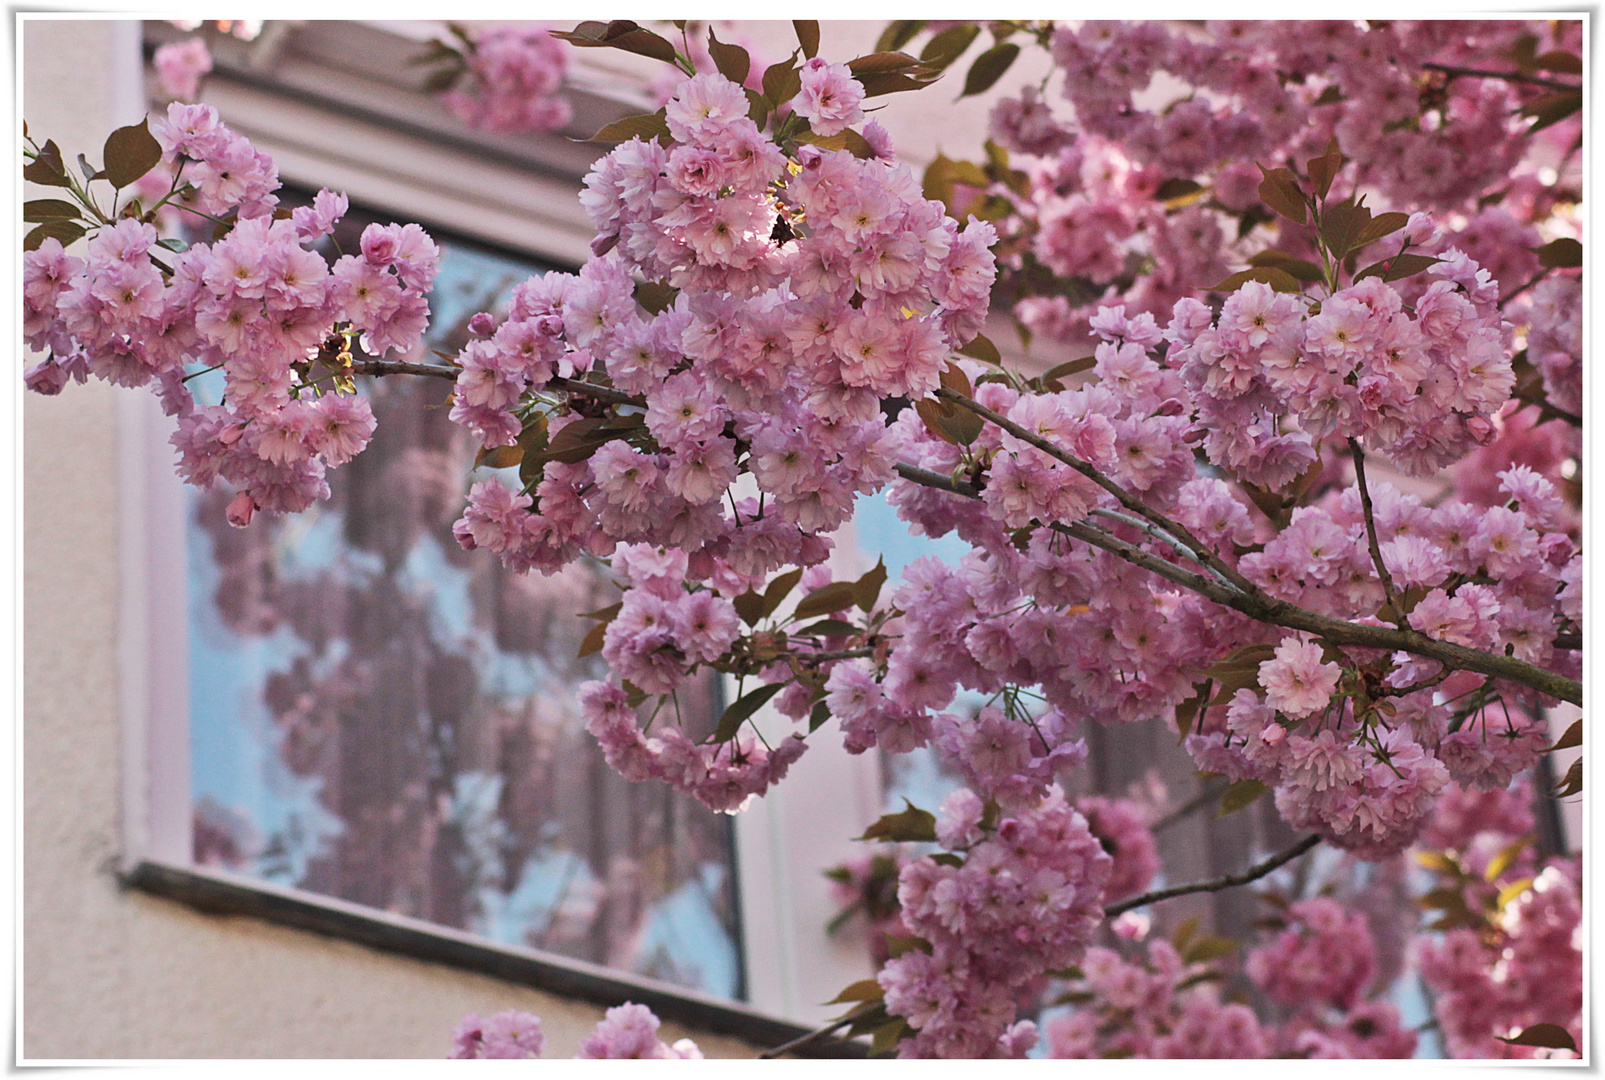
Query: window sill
{"x": 221, "y": 893}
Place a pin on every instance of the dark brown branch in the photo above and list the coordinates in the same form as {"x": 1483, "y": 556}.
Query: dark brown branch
{"x": 806, "y": 1040}
{"x": 1371, "y": 527}
{"x": 1524, "y": 286}
{"x": 1573, "y": 642}
{"x": 1508, "y": 76}
{"x": 448, "y": 371}
{"x": 1262, "y": 607}
{"x": 1210, "y": 792}
{"x": 827, "y": 657}
{"x": 403, "y": 367}
{"x": 1253, "y": 873}
{"x": 1091, "y": 472}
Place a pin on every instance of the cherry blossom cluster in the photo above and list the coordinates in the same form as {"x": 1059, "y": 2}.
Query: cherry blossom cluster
{"x": 627, "y": 1031}
{"x": 256, "y": 303}
{"x": 1025, "y": 899}
{"x": 1405, "y": 100}
{"x": 1509, "y": 951}
{"x": 180, "y": 65}
{"x": 514, "y": 75}
{"x": 1148, "y": 1001}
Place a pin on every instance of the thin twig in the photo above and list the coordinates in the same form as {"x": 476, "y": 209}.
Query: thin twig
{"x": 1371, "y": 528}
{"x": 1209, "y": 794}
{"x": 1252, "y": 600}
{"x": 1253, "y": 873}
{"x": 806, "y": 1040}
{"x": 1091, "y": 472}
{"x": 1524, "y": 286}
{"x": 827, "y": 657}
{"x": 1508, "y": 76}
{"x": 1158, "y": 534}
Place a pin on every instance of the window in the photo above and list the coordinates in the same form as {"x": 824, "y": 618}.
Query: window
{"x": 342, "y": 720}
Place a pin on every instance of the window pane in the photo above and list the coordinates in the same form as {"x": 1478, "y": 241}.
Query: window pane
{"x": 380, "y": 716}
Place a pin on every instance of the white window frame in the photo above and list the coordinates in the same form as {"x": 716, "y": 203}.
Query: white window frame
{"x": 784, "y": 841}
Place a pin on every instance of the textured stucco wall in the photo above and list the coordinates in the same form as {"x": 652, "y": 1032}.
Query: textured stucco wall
{"x": 109, "y": 973}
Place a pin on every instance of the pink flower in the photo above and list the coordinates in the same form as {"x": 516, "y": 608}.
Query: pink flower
{"x": 1297, "y": 682}
{"x": 180, "y": 65}
{"x": 830, "y": 97}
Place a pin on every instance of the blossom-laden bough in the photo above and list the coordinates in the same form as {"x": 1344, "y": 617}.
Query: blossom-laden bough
{"x": 780, "y": 317}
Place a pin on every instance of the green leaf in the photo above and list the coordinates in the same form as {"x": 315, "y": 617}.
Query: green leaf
{"x": 619, "y": 34}
{"x": 828, "y": 628}
{"x": 645, "y": 126}
{"x": 1440, "y": 862}
{"x": 807, "y": 36}
{"x": 1560, "y": 60}
{"x": 1572, "y": 737}
{"x": 949, "y": 45}
{"x": 885, "y": 63}
{"x": 818, "y": 716}
{"x": 1302, "y": 269}
{"x": 825, "y": 599}
{"x": 1279, "y": 190}
{"x": 949, "y": 423}
{"x": 898, "y": 33}
{"x": 1549, "y": 1036}
{"x": 856, "y": 145}
{"x": 1399, "y": 266}
{"x": 731, "y": 60}
{"x": 1053, "y": 378}
{"x": 909, "y": 825}
{"x": 1184, "y": 933}
{"x": 1176, "y": 193}
{"x": 1342, "y": 225}
{"x": 593, "y": 641}
{"x": 1323, "y": 170}
{"x": 438, "y": 82}
{"x": 606, "y": 615}
{"x": 980, "y": 348}
{"x": 1570, "y": 784}
{"x": 1380, "y": 226}
{"x": 887, "y": 1037}
{"x": 1209, "y": 947}
{"x": 862, "y": 990}
{"x": 655, "y": 296}
{"x": 781, "y": 82}
{"x": 1279, "y": 280}
{"x": 64, "y": 231}
{"x": 1562, "y": 254}
{"x": 757, "y": 108}
{"x": 1552, "y": 108}
{"x": 779, "y": 589}
{"x": 49, "y": 210}
{"x": 898, "y": 946}
{"x": 47, "y": 168}
{"x": 749, "y": 605}
{"x": 989, "y": 68}
{"x": 1504, "y": 859}
{"x": 130, "y": 153}
{"x": 889, "y": 82}
{"x": 1240, "y": 794}
{"x": 173, "y": 243}
{"x": 741, "y": 709}
{"x": 867, "y": 589}
{"x": 1511, "y": 892}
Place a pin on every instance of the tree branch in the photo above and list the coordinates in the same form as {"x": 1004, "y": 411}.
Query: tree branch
{"x": 806, "y": 1040}
{"x": 448, "y": 371}
{"x": 1262, "y": 607}
{"x": 1253, "y": 873}
{"x": 1371, "y": 527}
{"x": 1091, "y": 472}
{"x": 1508, "y": 76}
